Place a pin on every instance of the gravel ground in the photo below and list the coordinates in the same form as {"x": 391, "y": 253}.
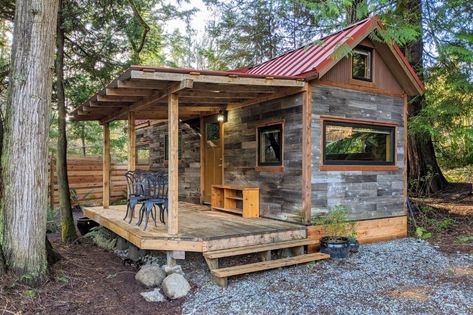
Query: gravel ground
{"x": 405, "y": 276}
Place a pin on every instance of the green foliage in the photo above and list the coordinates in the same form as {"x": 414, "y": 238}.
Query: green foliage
{"x": 103, "y": 238}
{"x": 422, "y": 233}
{"x": 335, "y": 223}
{"x": 465, "y": 239}
{"x": 62, "y": 279}
{"x": 30, "y": 293}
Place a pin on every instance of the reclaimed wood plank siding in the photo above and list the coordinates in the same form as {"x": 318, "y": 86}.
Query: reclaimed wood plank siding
{"x": 280, "y": 192}
{"x": 189, "y": 163}
{"x": 368, "y": 194}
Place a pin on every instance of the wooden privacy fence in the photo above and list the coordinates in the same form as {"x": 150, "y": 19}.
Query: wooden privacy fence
{"x": 85, "y": 180}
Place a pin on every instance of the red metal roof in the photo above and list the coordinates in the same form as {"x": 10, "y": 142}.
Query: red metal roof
{"x": 318, "y": 58}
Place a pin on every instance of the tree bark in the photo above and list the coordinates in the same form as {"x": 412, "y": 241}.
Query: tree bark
{"x": 353, "y": 11}
{"x": 68, "y": 231}
{"x": 424, "y": 172}
{"x": 25, "y": 154}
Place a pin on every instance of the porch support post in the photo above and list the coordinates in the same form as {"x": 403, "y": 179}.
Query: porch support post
{"x": 202, "y": 158}
{"x": 106, "y": 166}
{"x": 173, "y": 134}
{"x": 131, "y": 141}
{"x": 307, "y": 152}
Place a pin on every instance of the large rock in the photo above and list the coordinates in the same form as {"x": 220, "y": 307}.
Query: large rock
{"x": 122, "y": 244}
{"x": 150, "y": 276}
{"x": 172, "y": 269}
{"x": 134, "y": 253}
{"x": 175, "y": 286}
{"x": 153, "y": 296}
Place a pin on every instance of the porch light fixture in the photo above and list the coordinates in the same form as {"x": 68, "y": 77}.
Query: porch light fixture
{"x": 222, "y": 116}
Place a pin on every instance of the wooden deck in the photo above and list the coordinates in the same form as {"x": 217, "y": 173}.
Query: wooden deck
{"x": 200, "y": 229}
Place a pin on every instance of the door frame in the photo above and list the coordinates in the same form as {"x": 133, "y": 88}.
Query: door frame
{"x": 203, "y": 135}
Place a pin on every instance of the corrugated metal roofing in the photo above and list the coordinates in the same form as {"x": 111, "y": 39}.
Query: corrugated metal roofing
{"x": 313, "y": 58}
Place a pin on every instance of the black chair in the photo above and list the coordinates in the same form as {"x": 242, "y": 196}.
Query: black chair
{"x": 156, "y": 188}
{"x": 136, "y": 192}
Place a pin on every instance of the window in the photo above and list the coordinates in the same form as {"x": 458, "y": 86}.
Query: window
{"x": 213, "y": 131}
{"x": 143, "y": 154}
{"x": 357, "y": 144}
{"x": 270, "y": 145}
{"x": 166, "y": 147}
{"x": 362, "y": 64}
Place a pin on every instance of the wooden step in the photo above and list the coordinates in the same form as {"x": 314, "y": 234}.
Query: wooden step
{"x": 231, "y": 210}
{"x": 222, "y": 273}
{"x": 257, "y": 248}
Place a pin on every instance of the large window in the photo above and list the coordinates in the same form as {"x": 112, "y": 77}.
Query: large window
{"x": 362, "y": 64}
{"x": 357, "y": 144}
{"x": 270, "y": 145}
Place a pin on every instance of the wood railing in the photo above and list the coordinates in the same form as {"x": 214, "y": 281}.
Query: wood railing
{"x": 85, "y": 180}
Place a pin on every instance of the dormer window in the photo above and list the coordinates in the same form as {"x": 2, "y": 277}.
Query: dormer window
{"x": 362, "y": 64}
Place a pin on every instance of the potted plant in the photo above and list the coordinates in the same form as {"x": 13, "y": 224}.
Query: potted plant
{"x": 340, "y": 237}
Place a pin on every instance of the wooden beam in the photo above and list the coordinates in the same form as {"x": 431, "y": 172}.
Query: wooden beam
{"x": 405, "y": 114}
{"x": 154, "y": 98}
{"x": 119, "y": 99}
{"x": 131, "y": 142}
{"x": 202, "y": 158}
{"x": 106, "y": 166}
{"x": 168, "y": 76}
{"x": 307, "y": 153}
{"x": 173, "y": 163}
{"x": 128, "y": 92}
{"x": 141, "y": 85}
{"x": 282, "y": 93}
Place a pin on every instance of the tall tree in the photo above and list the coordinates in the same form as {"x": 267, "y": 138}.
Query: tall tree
{"x": 24, "y": 158}
{"x": 68, "y": 230}
{"x": 424, "y": 171}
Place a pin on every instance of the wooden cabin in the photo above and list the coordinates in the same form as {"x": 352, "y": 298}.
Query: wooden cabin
{"x": 268, "y": 147}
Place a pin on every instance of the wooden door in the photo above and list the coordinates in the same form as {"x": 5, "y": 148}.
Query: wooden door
{"x": 213, "y": 142}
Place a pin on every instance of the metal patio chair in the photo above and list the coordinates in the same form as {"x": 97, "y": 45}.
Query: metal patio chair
{"x": 156, "y": 187}
{"x": 136, "y": 193}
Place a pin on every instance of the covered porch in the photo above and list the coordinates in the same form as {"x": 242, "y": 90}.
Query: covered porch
{"x": 173, "y": 96}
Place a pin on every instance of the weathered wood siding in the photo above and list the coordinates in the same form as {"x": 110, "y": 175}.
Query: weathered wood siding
{"x": 189, "y": 164}
{"x": 383, "y": 79}
{"x": 280, "y": 193}
{"x": 367, "y": 194}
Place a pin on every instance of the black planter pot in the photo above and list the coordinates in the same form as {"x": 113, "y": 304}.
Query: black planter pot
{"x": 336, "y": 247}
{"x": 85, "y": 224}
{"x": 354, "y": 245}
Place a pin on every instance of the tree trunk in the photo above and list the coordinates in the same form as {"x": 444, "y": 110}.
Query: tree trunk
{"x": 353, "y": 11}
{"x": 68, "y": 231}
{"x": 424, "y": 172}
{"x": 25, "y": 154}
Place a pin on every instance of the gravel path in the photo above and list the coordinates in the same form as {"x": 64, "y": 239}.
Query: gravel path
{"x": 405, "y": 276}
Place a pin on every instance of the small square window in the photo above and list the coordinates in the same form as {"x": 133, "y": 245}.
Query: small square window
{"x": 270, "y": 145}
{"x": 143, "y": 154}
{"x": 362, "y": 64}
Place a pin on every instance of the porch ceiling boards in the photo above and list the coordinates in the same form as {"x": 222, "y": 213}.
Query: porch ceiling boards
{"x": 145, "y": 90}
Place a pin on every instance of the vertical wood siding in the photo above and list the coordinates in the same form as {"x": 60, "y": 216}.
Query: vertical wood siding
{"x": 280, "y": 193}
{"x": 383, "y": 78}
{"x": 367, "y": 194}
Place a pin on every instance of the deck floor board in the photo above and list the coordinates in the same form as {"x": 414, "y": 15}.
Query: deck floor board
{"x": 197, "y": 223}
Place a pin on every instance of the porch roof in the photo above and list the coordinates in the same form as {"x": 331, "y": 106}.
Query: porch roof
{"x": 144, "y": 90}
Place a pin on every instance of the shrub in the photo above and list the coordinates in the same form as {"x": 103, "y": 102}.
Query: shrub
{"x": 335, "y": 223}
